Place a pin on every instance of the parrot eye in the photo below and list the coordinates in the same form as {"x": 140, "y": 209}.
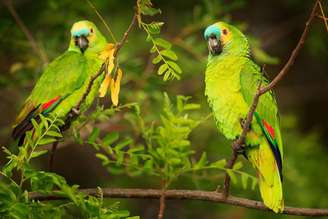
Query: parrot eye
{"x": 224, "y": 31}
{"x": 91, "y": 30}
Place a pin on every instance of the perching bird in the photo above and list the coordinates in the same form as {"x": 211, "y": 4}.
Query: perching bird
{"x": 65, "y": 80}
{"x": 231, "y": 81}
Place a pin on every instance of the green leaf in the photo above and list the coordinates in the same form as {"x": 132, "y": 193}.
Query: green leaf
{"x": 169, "y": 54}
{"x": 162, "y": 69}
{"x": 94, "y": 135}
{"x": 232, "y": 175}
{"x": 153, "y": 49}
{"x": 153, "y": 28}
{"x": 201, "y": 162}
{"x": 123, "y": 143}
{"x": 36, "y": 127}
{"x": 54, "y": 134}
{"x": 191, "y": 106}
{"x": 110, "y": 138}
{"x": 174, "y": 161}
{"x": 38, "y": 153}
{"x": 157, "y": 59}
{"x": 237, "y": 165}
{"x": 150, "y": 11}
{"x": 244, "y": 179}
{"x": 175, "y": 66}
{"x": 104, "y": 159}
{"x": 45, "y": 141}
{"x": 136, "y": 149}
{"x": 168, "y": 74}
{"x": 162, "y": 43}
{"x": 254, "y": 183}
{"x": 44, "y": 121}
{"x": 219, "y": 164}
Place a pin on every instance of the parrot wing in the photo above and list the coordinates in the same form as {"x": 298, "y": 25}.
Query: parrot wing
{"x": 62, "y": 77}
{"x": 266, "y": 113}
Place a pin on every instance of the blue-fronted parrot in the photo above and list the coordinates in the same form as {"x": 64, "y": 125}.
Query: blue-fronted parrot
{"x": 231, "y": 81}
{"x": 65, "y": 80}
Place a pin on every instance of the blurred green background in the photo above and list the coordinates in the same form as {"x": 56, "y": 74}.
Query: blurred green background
{"x": 273, "y": 28}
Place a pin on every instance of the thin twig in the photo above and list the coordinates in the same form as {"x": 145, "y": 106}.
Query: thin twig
{"x": 102, "y": 20}
{"x": 325, "y": 19}
{"x": 294, "y": 54}
{"x": 238, "y": 144}
{"x": 185, "y": 194}
{"x": 162, "y": 201}
{"x": 37, "y": 49}
{"x": 52, "y": 155}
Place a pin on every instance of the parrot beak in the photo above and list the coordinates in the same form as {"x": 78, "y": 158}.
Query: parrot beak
{"x": 214, "y": 45}
{"x": 82, "y": 42}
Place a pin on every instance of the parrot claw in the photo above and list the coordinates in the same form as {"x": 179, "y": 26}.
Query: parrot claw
{"x": 76, "y": 111}
{"x": 242, "y": 122}
{"x": 240, "y": 149}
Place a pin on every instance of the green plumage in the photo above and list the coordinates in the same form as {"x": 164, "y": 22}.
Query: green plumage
{"x": 231, "y": 81}
{"x": 65, "y": 79}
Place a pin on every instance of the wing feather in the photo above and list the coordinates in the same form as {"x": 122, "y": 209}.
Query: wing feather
{"x": 267, "y": 110}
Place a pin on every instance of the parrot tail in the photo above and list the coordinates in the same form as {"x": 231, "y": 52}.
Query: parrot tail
{"x": 20, "y": 129}
{"x": 268, "y": 175}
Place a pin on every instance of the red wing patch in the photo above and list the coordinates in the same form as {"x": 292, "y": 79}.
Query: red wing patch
{"x": 49, "y": 103}
{"x": 269, "y": 128}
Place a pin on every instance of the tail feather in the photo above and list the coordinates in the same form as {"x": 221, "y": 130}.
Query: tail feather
{"x": 268, "y": 175}
{"x": 24, "y": 126}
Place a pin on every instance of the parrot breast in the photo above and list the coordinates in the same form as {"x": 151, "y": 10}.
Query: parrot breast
{"x": 222, "y": 88}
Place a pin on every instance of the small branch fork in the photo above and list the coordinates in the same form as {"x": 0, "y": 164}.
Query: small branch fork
{"x": 184, "y": 194}
{"x": 75, "y": 112}
{"x": 239, "y": 143}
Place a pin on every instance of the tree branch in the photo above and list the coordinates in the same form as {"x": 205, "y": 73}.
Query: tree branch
{"x": 185, "y": 194}
{"x": 238, "y": 144}
{"x": 37, "y": 49}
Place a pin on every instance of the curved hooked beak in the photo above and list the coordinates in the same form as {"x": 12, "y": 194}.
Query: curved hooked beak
{"x": 214, "y": 45}
{"x": 82, "y": 42}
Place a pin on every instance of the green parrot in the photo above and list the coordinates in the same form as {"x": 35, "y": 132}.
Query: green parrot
{"x": 65, "y": 79}
{"x": 231, "y": 82}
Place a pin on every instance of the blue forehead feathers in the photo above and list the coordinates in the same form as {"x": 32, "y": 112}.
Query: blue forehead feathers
{"x": 80, "y": 32}
{"x": 213, "y": 29}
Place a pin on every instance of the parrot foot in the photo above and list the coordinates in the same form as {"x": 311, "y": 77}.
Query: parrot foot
{"x": 76, "y": 111}
{"x": 242, "y": 123}
{"x": 240, "y": 149}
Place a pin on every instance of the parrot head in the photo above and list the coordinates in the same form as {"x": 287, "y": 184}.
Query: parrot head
{"x": 222, "y": 37}
{"x": 85, "y": 36}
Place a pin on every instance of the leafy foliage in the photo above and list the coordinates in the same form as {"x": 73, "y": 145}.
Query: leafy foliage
{"x": 15, "y": 202}
{"x": 124, "y": 136}
{"x": 161, "y": 48}
{"x": 166, "y": 153}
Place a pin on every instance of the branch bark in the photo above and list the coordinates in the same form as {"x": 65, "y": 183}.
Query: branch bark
{"x": 185, "y": 194}
{"x": 238, "y": 144}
